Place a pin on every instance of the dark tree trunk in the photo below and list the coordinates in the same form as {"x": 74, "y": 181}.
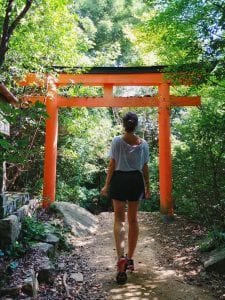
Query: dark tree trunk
{"x": 10, "y": 25}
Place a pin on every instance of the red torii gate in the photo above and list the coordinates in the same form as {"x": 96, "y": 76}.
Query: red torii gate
{"x": 108, "y": 77}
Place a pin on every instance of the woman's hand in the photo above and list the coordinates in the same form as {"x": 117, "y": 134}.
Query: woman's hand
{"x": 105, "y": 190}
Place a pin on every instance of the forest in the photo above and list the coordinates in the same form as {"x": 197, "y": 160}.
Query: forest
{"x": 40, "y": 35}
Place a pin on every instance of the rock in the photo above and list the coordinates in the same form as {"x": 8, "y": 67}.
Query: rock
{"x": 30, "y": 286}
{"x": 27, "y": 210}
{"x": 11, "y": 201}
{"x": 52, "y": 239}
{"x": 80, "y": 221}
{"x": 61, "y": 266}
{"x": 21, "y": 212}
{"x": 46, "y": 273}
{"x": 27, "y": 287}
{"x": 9, "y": 230}
{"x": 216, "y": 261}
{"x": 77, "y": 276}
{"x": 45, "y": 248}
{"x": 10, "y": 291}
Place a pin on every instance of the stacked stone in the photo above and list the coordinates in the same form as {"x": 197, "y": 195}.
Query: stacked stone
{"x": 10, "y": 202}
{"x": 13, "y": 208}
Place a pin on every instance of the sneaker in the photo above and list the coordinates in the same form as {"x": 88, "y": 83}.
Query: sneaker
{"x": 129, "y": 264}
{"x": 121, "y": 276}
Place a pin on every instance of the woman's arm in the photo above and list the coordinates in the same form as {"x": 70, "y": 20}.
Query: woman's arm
{"x": 111, "y": 168}
{"x": 146, "y": 180}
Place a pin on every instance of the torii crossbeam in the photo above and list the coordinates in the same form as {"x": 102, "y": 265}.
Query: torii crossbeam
{"x": 108, "y": 77}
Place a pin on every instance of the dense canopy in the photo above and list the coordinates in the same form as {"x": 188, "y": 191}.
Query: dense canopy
{"x": 38, "y": 35}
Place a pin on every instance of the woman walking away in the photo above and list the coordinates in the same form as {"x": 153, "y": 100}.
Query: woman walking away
{"x": 127, "y": 180}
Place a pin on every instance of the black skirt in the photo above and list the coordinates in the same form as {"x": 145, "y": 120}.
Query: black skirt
{"x": 127, "y": 186}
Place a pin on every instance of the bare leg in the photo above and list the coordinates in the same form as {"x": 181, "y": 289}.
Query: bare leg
{"x": 133, "y": 227}
{"x": 119, "y": 226}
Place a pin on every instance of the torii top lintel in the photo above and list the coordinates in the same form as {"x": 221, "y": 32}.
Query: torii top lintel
{"x": 100, "y": 76}
{"x": 107, "y": 77}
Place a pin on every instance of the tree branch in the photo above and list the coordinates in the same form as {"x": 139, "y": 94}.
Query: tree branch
{"x": 8, "y": 29}
{"x": 20, "y": 16}
{"x": 5, "y": 31}
{"x": 7, "y": 17}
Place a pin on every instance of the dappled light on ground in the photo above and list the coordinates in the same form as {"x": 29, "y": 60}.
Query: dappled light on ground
{"x": 150, "y": 280}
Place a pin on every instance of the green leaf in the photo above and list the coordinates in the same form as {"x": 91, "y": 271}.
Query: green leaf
{"x": 4, "y": 144}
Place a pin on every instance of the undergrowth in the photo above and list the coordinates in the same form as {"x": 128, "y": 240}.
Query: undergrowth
{"x": 214, "y": 239}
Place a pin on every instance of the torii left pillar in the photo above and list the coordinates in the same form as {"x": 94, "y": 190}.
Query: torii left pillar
{"x": 51, "y": 138}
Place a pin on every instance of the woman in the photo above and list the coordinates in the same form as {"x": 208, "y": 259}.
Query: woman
{"x": 127, "y": 180}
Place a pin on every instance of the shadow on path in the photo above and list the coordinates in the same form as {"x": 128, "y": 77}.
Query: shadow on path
{"x": 149, "y": 281}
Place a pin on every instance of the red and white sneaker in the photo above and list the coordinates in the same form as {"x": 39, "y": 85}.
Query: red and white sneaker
{"x": 121, "y": 277}
{"x": 129, "y": 264}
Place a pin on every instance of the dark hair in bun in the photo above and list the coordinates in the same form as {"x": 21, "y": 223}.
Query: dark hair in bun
{"x": 130, "y": 121}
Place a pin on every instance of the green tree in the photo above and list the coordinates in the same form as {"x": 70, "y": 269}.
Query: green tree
{"x": 23, "y": 150}
{"x": 181, "y": 32}
{"x": 44, "y": 39}
{"x": 40, "y": 40}
{"x": 107, "y": 23}
{"x": 198, "y": 160}
{"x": 84, "y": 137}
{"x": 191, "y": 34}
{"x": 10, "y": 21}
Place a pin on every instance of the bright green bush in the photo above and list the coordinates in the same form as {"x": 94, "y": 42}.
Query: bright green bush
{"x": 199, "y": 162}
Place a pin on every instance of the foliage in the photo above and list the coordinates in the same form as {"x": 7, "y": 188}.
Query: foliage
{"x": 44, "y": 39}
{"x": 214, "y": 239}
{"x": 152, "y": 204}
{"x": 107, "y": 23}
{"x": 180, "y": 32}
{"x": 34, "y": 45}
{"x": 61, "y": 232}
{"x": 9, "y": 21}
{"x": 32, "y": 230}
{"x": 107, "y": 33}
{"x": 169, "y": 35}
{"x": 199, "y": 162}
{"x": 16, "y": 250}
{"x": 23, "y": 150}
{"x": 190, "y": 34}
{"x": 84, "y": 137}
{"x": 35, "y": 230}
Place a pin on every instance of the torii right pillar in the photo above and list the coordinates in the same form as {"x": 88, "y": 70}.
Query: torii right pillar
{"x": 165, "y": 160}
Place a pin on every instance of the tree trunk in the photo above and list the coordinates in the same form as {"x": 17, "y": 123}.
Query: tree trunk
{"x": 9, "y": 26}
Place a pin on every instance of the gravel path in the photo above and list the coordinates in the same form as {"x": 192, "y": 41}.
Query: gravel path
{"x": 168, "y": 265}
{"x": 153, "y": 278}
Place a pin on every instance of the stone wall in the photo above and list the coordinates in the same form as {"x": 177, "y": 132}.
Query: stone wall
{"x": 12, "y": 201}
{"x": 13, "y": 208}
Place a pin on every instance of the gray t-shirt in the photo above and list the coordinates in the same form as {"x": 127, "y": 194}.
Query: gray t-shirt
{"x": 127, "y": 157}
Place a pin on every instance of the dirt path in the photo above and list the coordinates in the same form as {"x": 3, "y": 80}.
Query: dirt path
{"x": 151, "y": 280}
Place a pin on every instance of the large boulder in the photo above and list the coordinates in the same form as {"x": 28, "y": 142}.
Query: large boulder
{"x": 9, "y": 230}
{"x": 80, "y": 221}
{"x": 216, "y": 261}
